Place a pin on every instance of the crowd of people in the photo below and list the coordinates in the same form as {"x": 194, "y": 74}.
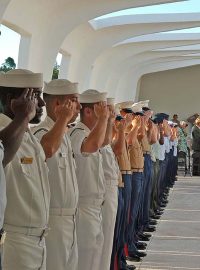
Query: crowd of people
{"x": 80, "y": 196}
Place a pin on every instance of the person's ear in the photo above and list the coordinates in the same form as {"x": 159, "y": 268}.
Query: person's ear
{"x": 88, "y": 111}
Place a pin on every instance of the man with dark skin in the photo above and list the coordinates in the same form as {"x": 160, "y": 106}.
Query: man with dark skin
{"x": 28, "y": 195}
{"x": 11, "y": 136}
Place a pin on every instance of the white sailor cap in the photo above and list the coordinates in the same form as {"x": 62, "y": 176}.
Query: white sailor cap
{"x": 145, "y": 103}
{"x": 60, "y": 87}
{"x": 21, "y": 78}
{"x": 137, "y": 107}
{"x": 117, "y": 109}
{"x": 92, "y": 96}
{"x": 125, "y": 105}
{"x": 110, "y": 101}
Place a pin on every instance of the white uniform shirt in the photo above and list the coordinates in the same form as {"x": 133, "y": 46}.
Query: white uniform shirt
{"x": 2, "y": 187}
{"x": 167, "y": 145}
{"x": 155, "y": 151}
{"x": 28, "y": 193}
{"x": 62, "y": 175}
{"x": 171, "y": 144}
{"x": 161, "y": 152}
{"x": 175, "y": 147}
{"x": 110, "y": 165}
{"x": 90, "y": 174}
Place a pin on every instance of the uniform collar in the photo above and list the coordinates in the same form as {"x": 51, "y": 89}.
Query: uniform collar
{"x": 4, "y": 120}
{"x": 82, "y": 125}
{"x": 48, "y": 122}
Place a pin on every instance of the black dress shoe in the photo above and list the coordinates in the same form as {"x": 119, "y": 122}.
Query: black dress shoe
{"x": 128, "y": 267}
{"x": 153, "y": 222}
{"x": 156, "y": 216}
{"x": 149, "y": 229}
{"x": 163, "y": 205}
{"x": 137, "y": 253}
{"x": 143, "y": 238}
{"x": 133, "y": 258}
{"x": 146, "y": 234}
{"x": 159, "y": 212}
{"x": 141, "y": 245}
{"x": 164, "y": 200}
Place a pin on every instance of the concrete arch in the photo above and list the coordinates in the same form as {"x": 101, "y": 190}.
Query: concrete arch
{"x": 123, "y": 83}
{"x": 131, "y": 86}
{"x": 107, "y": 62}
{"x": 91, "y": 43}
{"x": 48, "y": 30}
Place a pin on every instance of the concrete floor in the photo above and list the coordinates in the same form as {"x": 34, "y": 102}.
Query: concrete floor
{"x": 176, "y": 242}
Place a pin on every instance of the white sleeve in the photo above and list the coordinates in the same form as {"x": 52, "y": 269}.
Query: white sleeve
{"x": 77, "y": 137}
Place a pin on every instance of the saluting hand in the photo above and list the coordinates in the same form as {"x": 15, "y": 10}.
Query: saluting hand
{"x": 121, "y": 126}
{"x": 25, "y": 105}
{"x": 65, "y": 111}
{"x": 136, "y": 121}
{"x": 128, "y": 119}
{"x": 112, "y": 115}
{"x": 101, "y": 110}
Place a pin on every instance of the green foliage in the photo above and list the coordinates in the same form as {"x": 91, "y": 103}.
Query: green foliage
{"x": 56, "y": 70}
{"x": 8, "y": 64}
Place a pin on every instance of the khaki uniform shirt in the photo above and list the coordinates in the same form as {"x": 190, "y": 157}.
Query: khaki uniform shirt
{"x": 2, "y": 187}
{"x": 90, "y": 174}
{"x": 136, "y": 156}
{"x": 146, "y": 147}
{"x": 110, "y": 165}
{"x": 124, "y": 160}
{"x": 27, "y": 184}
{"x": 62, "y": 175}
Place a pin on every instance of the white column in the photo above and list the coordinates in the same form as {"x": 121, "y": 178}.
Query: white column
{"x": 3, "y": 6}
{"x": 64, "y": 66}
{"x": 24, "y": 49}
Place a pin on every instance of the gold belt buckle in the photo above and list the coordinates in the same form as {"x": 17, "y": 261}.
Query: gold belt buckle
{"x": 2, "y": 237}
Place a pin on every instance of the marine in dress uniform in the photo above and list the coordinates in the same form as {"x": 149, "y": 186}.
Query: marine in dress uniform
{"x": 87, "y": 138}
{"x": 137, "y": 167}
{"x": 28, "y": 193}
{"x": 60, "y": 96}
{"x": 146, "y": 142}
{"x": 125, "y": 168}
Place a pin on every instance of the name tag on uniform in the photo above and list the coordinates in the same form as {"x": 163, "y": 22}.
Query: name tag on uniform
{"x": 63, "y": 155}
{"x": 27, "y": 160}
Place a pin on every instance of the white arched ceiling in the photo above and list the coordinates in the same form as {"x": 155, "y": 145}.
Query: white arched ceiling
{"x": 120, "y": 78}
{"x": 49, "y": 22}
{"x": 3, "y": 6}
{"x": 108, "y": 61}
{"x": 128, "y": 83}
{"x": 111, "y": 64}
{"x": 90, "y": 43}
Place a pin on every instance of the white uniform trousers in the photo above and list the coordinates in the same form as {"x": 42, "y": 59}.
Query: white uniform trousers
{"x": 23, "y": 252}
{"x": 109, "y": 212}
{"x": 89, "y": 236}
{"x": 61, "y": 242}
